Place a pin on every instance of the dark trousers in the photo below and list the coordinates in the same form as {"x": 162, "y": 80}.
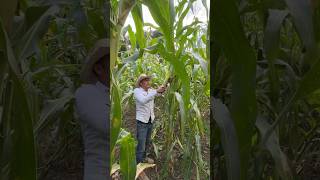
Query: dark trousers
{"x": 144, "y": 140}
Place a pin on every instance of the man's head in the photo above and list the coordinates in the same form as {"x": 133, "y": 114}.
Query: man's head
{"x": 144, "y": 81}
{"x": 96, "y": 67}
{"x": 145, "y": 84}
{"x": 101, "y": 69}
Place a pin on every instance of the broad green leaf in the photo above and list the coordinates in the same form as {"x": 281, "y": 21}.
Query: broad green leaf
{"x": 151, "y": 25}
{"x": 125, "y": 6}
{"x": 172, "y": 12}
{"x": 96, "y": 21}
{"x": 138, "y": 21}
{"x": 122, "y": 134}
{"x": 272, "y": 32}
{"x": 81, "y": 23}
{"x": 198, "y": 117}
{"x": 132, "y": 38}
{"x": 116, "y": 114}
{"x": 182, "y": 14}
{"x": 182, "y": 111}
{"x": 229, "y": 139}
{"x": 229, "y": 33}
{"x": 307, "y": 85}
{"x": 204, "y": 2}
{"x": 127, "y": 96}
{"x": 182, "y": 40}
{"x": 190, "y": 26}
{"x": 26, "y": 46}
{"x": 156, "y": 149}
{"x": 128, "y": 158}
{"x": 7, "y": 52}
{"x": 132, "y": 58}
{"x": 302, "y": 16}
{"x": 273, "y": 146}
{"x": 160, "y": 11}
{"x": 50, "y": 110}
{"x": 203, "y": 63}
{"x": 152, "y": 49}
{"x": 198, "y": 146}
{"x": 23, "y": 150}
{"x": 271, "y": 47}
{"x": 181, "y": 72}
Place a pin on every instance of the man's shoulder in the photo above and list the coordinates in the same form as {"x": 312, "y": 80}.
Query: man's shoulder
{"x": 136, "y": 90}
{"x": 85, "y": 90}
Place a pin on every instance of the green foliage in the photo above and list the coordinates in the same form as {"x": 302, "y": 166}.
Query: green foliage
{"x": 41, "y": 59}
{"x": 229, "y": 34}
{"x": 270, "y": 49}
{"x": 128, "y": 157}
{"x": 169, "y": 49}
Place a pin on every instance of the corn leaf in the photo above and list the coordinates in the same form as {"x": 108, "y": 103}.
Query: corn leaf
{"x": 128, "y": 158}
{"x": 27, "y": 45}
{"x": 138, "y": 21}
{"x": 271, "y": 47}
{"x": 132, "y": 38}
{"x": 50, "y": 110}
{"x": 302, "y": 15}
{"x": 23, "y": 150}
{"x": 116, "y": 114}
{"x": 160, "y": 11}
{"x": 229, "y": 33}
{"x": 229, "y": 138}
{"x": 273, "y": 147}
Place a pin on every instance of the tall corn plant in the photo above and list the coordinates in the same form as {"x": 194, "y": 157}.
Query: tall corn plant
{"x": 235, "y": 51}
{"x": 17, "y": 144}
{"x": 18, "y": 100}
{"x": 119, "y": 12}
{"x": 175, "y": 47}
{"x": 173, "y": 31}
{"x": 28, "y": 104}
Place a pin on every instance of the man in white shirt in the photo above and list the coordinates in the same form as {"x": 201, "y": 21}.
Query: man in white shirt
{"x": 93, "y": 105}
{"x": 144, "y": 96}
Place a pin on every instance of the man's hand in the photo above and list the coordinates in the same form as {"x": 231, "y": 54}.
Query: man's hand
{"x": 161, "y": 89}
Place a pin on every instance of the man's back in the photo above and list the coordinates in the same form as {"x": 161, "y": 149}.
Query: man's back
{"x": 92, "y": 106}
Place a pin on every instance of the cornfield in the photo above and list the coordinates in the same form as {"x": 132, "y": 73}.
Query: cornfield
{"x": 168, "y": 48}
{"x": 243, "y": 103}
{"x": 43, "y": 46}
{"x": 265, "y": 93}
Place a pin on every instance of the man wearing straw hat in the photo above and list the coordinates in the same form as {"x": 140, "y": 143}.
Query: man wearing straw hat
{"x": 93, "y": 105}
{"x": 144, "y": 96}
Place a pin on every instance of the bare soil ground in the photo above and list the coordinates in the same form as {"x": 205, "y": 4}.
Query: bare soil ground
{"x": 60, "y": 162}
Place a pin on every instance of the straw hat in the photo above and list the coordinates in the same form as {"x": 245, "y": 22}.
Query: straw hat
{"x": 100, "y": 49}
{"x": 142, "y": 77}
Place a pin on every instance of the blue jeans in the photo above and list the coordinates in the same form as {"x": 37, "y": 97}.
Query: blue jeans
{"x": 144, "y": 140}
